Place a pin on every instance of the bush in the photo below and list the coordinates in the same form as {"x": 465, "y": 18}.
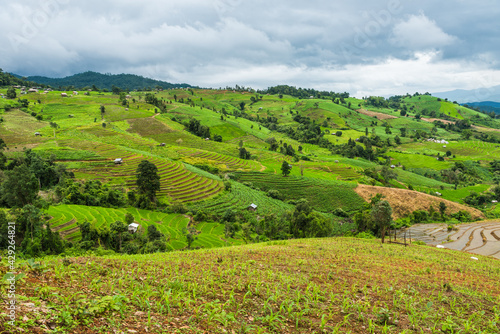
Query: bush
{"x": 339, "y": 212}
{"x": 364, "y": 235}
{"x": 177, "y": 207}
{"x": 273, "y": 193}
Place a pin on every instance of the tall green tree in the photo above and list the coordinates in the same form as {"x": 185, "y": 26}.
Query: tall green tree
{"x": 118, "y": 228}
{"x": 381, "y": 214}
{"x": 11, "y": 93}
{"x": 148, "y": 180}
{"x": 20, "y": 187}
{"x": 285, "y": 168}
{"x": 54, "y": 126}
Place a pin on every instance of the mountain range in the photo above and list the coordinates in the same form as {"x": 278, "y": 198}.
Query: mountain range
{"x": 104, "y": 81}
{"x": 474, "y": 95}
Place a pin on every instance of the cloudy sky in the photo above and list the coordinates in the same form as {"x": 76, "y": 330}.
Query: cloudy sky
{"x": 363, "y": 47}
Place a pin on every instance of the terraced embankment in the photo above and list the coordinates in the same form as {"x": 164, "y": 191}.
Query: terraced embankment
{"x": 478, "y": 238}
{"x": 65, "y": 219}
{"x": 176, "y": 182}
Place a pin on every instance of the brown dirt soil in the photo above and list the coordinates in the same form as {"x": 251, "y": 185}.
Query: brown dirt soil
{"x": 430, "y": 120}
{"x": 148, "y": 126}
{"x": 379, "y": 115}
{"x": 405, "y": 201}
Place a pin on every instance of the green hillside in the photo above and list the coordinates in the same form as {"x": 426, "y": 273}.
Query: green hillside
{"x": 209, "y": 168}
{"x": 339, "y": 285}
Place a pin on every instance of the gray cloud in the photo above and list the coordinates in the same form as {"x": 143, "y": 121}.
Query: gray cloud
{"x": 365, "y": 47}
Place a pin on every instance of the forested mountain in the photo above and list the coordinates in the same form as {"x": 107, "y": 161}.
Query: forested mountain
{"x": 106, "y": 81}
{"x": 7, "y": 79}
{"x": 486, "y": 106}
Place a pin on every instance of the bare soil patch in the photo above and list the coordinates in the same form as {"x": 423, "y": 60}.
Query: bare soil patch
{"x": 405, "y": 201}
{"x": 379, "y": 115}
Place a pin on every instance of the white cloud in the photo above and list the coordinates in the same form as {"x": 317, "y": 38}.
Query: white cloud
{"x": 225, "y": 42}
{"x": 420, "y": 33}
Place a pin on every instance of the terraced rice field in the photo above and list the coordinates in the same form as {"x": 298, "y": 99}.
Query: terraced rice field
{"x": 176, "y": 183}
{"x": 231, "y": 163}
{"x": 479, "y": 238}
{"x": 239, "y": 198}
{"x": 322, "y": 194}
{"x": 65, "y": 219}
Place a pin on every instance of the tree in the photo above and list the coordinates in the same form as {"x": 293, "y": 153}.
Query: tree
{"x": 338, "y": 133}
{"x": 397, "y": 140}
{"x": 11, "y": 93}
{"x": 153, "y": 233}
{"x": 285, "y": 168}
{"x": 244, "y": 154}
{"x": 442, "y": 209}
{"x": 273, "y": 143}
{"x": 103, "y": 110}
{"x": 54, "y": 126}
{"x": 466, "y": 134}
{"x": 388, "y": 174}
{"x": 242, "y": 105}
{"x": 381, "y": 214}
{"x": 119, "y": 228}
{"x": 20, "y": 187}
{"x": 148, "y": 180}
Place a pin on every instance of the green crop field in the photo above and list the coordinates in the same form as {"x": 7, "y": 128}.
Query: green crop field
{"x": 338, "y": 285}
{"x": 323, "y": 195}
{"x": 65, "y": 219}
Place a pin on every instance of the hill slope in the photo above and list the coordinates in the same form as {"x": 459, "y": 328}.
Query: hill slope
{"x": 105, "y": 81}
{"x": 337, "y": 285}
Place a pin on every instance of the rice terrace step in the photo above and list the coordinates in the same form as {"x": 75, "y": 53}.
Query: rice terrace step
{"x": 477, "y": 238}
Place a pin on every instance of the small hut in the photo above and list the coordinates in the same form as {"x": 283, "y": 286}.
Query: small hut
{"x": 252, "y": 207}
{"x": 64, "y": 95}
{"x": 132, "y": 228}
{"x": 118, "y": 161}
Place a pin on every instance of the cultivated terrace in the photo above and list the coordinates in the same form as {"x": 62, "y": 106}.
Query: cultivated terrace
{"x": 190, "y": 210}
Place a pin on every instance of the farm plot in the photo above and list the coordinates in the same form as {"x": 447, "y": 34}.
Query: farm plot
{"x": 231, "y": 163}
{"x": 322, "y": 194}
{"x": 479, "y": 238}
{"x": 65, "y": 219}
{"x": 239, "y": 198}
{"x": 176, "y": 182}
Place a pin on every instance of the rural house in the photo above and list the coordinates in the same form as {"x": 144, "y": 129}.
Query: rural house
{"x": 132, "y": 228}
{"x": 252, "y": 207}
{"x": 118, "y": 161}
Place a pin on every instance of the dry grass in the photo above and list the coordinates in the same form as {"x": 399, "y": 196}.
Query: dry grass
{"x": 148, "y": 127}
{"x": 405, "y": 201}
{"x": 379, "y": 115}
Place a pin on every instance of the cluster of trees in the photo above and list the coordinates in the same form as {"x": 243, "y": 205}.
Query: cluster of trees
{"x": 117, "y": 238}
{"x": 301, "y": 222}
{"x": 106, "y": 81}
{"x": 375, "y": 218}
{"x": 7, "y": 79}
{"x": 195, "y": 127}
{"x": 25, "y": 176}
{"x": 33, "y": 238}
{"x": 303, "y": 93}
{"x": 480, "y": 199}
{"x": 91, "y": 193}
{"x": 159, "y": 103}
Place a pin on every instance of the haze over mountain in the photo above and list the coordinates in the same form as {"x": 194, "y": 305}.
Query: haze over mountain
{"x": 474, "y": 95}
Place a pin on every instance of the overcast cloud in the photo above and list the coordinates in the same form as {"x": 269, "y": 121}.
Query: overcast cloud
{"x": 363, "y": 47}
